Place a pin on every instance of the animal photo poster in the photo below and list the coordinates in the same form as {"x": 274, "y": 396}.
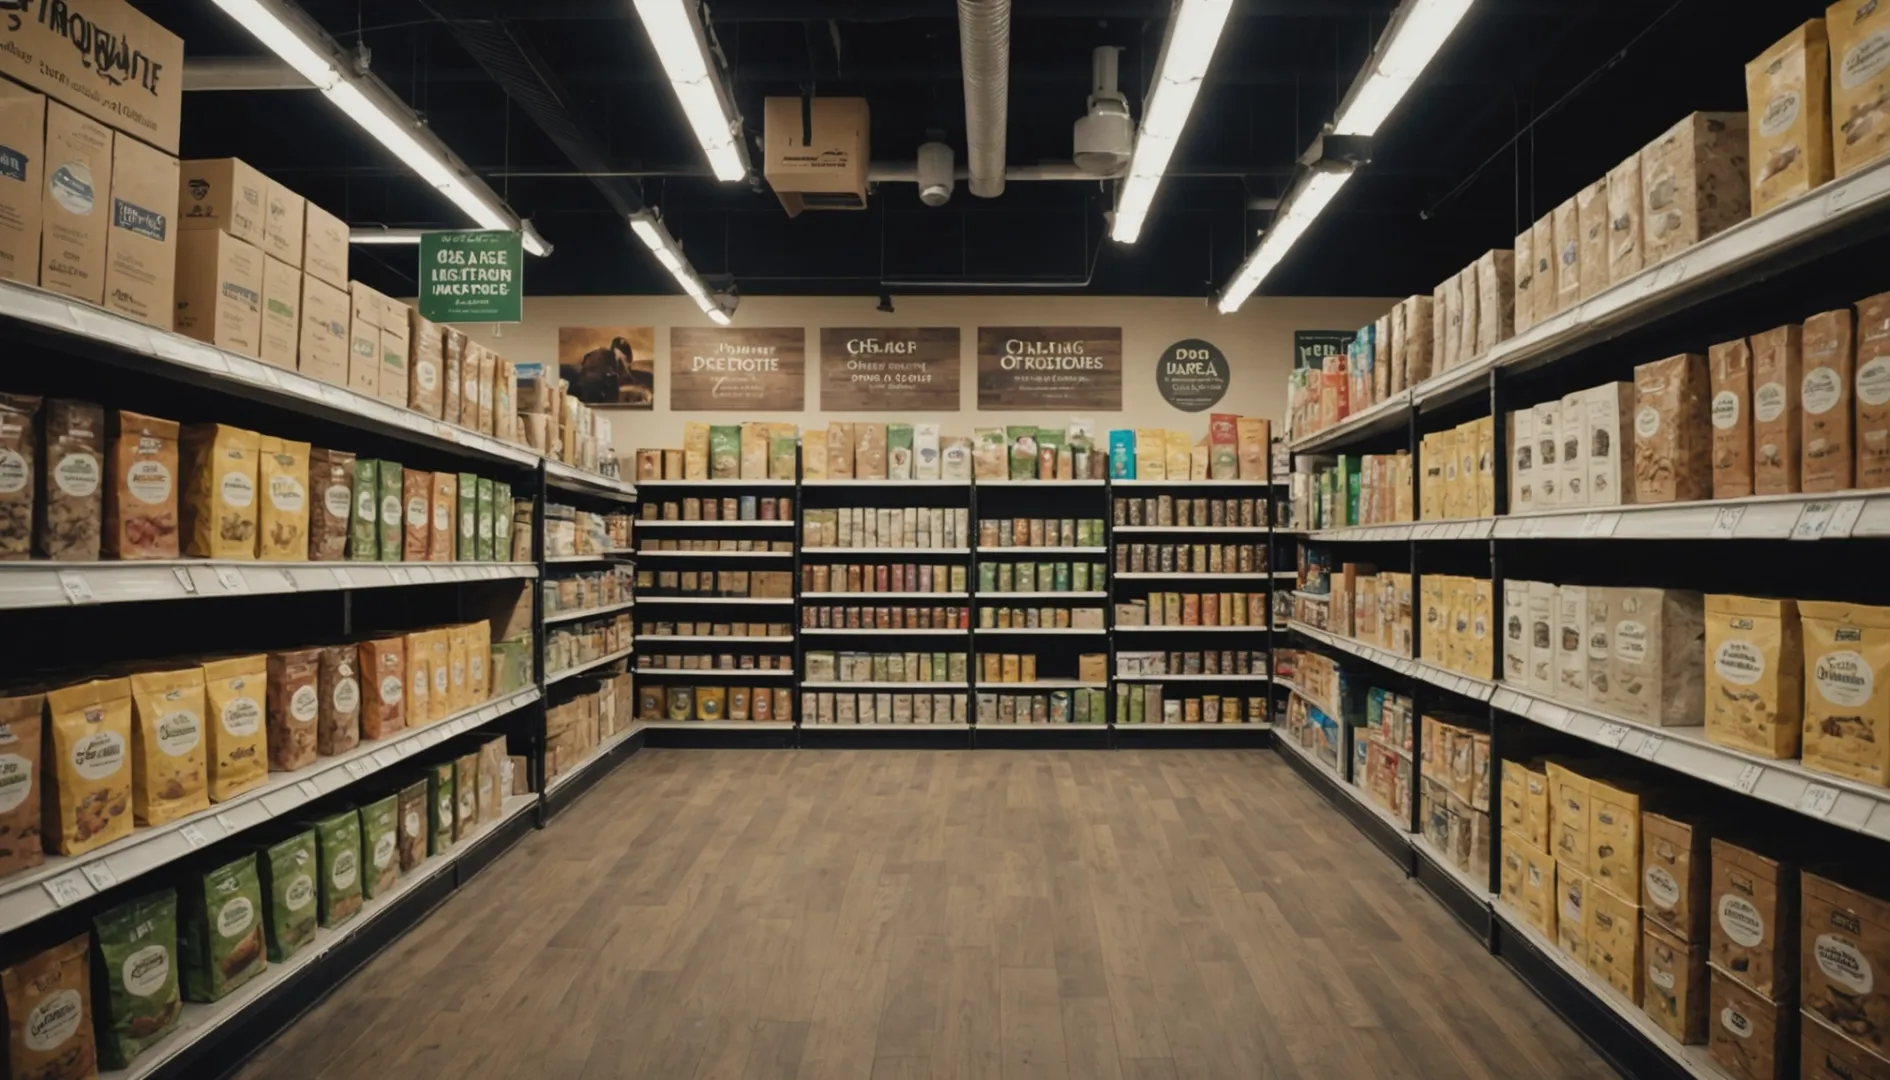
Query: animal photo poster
{"x": 609, "y": 365}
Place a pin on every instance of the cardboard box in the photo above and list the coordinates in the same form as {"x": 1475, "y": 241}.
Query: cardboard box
{"x": 426, "y": 365}
{"x": 141, "y": 245}
{"x": 1824, "y": 1054}
{"x": 285, "y": 224}
{"x": 325, "y": 246}
{"x": 1676, "y": 876}
{"x": 1541, "y": 638}
{"x": 1521, "y": 439}
{"x": 1591, "y": 216}
{"x": 1572, "y": 908}
{"x": 1860, "y": 83}
{"x": 826, "y": 172}
{"x": 22, "y": 181}
{"x": 1614, "y": 942}
{"x": 1846, "y": 944}
{"x": 395, "y": 345}
{"x": 364, "y": 339}
{"x": 1755, "y": 925}
{"x": 322, "y": 351}
{"x": 1788, "y": 90}
{"x": 1546, "y": 423}
{"x": 1510, "y": 873}
{"x": 1524, "y": 306}
{"x": 1569, "y": 794}
{"x": 1567, "y": 228}
{"x": 281, "y": 313}
{"x": 1542, "y": 244}
{"x": 73, "y": 212}
{"x": 1825, "y": 393}
{"x": 1614, "y": 841}
{"x": 104, "y": 58}
{"x": 1538, "y": 890}
{"x": 1609, "y": 444}
{"x": 1513, "y": 793}
{"x": 1673, "y": 443}
{"x": 1693, "y": 182}
{"x": 219, "y": 291}
{"x": 1419, "y": 340}
{"x": 1777, "y": 420}
{"x": 1571, "y": 652}
{"x": 223, "y": 193}
{"x": 1625, "y": 247}
{"x": 1873, "y": 391}
{"x": 1571, "y": 466}
{"x": 1729, "y": 367}
{"x": 1674, "y": 993}
{"x": 1750, "y": 1037}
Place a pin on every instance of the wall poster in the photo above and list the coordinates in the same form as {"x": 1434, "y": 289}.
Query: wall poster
{"x": 609, "y": 365}
{"x": 758, "y": 369}
{"x": 1050, "y": 368}
{"x": 911, "y": 369}
{"x": 1192, "y": 375}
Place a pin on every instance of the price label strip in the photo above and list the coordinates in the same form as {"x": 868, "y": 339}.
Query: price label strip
{"x": 184, "y": 580}
{"x": 193, "y": 836}
{"x": 1818, "y": 800}
{"x": 1726, "y": 522}
{"x": 1813, "y": 520}
{"x": 77, "y": 589}
{"x": 99, "y": 874}
{"x": 68, "y": 888}
{"x": 1650, "y": 746}
{"x": 1844, "y": 519}
{"x": 1748, "y": 778}
{"x": 1612, "y": 735}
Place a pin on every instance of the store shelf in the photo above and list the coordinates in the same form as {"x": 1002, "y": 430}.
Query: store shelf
{"x": 571, "y": 478}
{"x": 201, "y": 1021}
{"x": 1285, "y": 742}
{"x": 602, "y": 753}
{"x": 1189, "y": 483}
{"x": 965, "y": 483}
{"x": 1170, "y": 575}
{"x": 653, "y": 523}
{"x": 64, "y": 584}
{"x": 1462, "y": 529}
{"x": 1021, "y": 631}
{"x": 1041, "y": 483}
{"x": 805, "y": 551}
{"x": 776, "y": 600}
{"x": 938, "y": 687}
{"x": 1068, "y": 725}
{"x": 30, "y": 895}
{"x": 1042, "y": 684}
{"x": 650, "y": 640}
{"x": 601, "y": 556}
{"x": 715, "y": 725}
{"x": 679, "y": 485}
{"x": 1839, "y": 515}
{"x": 1382, "y": 417}
{"x": 1847, "y": 804}
{"x": 1468, "y": 686}
{"x": 1230, "y": 726}
{"x": 1193, "y": 678}
{"x": 915, "y": 727}
{"x": 885, "y": 597}
{"x": 1210, "y": 530}
{"x": 1443, "y": 862}
{"x": 1029, "y": 550}
{"x": 1191, "y": 629}
{"x": 586, "y": 613}
{"x": 1089, "y": 594}
{"x": 720, "y": 673}
{"x": 653, "y": 553}
{"x": 588, "y": 665}
{"x": 828, "y": 631}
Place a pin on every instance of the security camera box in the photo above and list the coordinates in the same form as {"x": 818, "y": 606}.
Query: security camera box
{"x": 22, "y": 177}
{"x": 323, "y": 345}
{"x": 285, "y": 217}
{"x": 324, "y": 246}
{"x": 219, "y": 291}
{"x": 223, "y": 193}
{"x": 281, "y": 313}
{"x": 78, "y": 169}
{"x": 141, "y": 245}
{"x": 826, "y": 171}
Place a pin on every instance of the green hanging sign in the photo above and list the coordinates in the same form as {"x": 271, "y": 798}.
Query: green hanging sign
{"x": 472, "y": 277}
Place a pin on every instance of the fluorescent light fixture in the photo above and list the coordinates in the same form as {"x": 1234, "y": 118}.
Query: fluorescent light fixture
{"x": 305, "y": 47}
{"x": 649, "y": 229}
{"x": 1193, "y": 31}
{"x": 1308, "y": 198}
{"x": 1417, "y": 31}
{"x": 677, "y": 34}
{"x": 389, "y": 237}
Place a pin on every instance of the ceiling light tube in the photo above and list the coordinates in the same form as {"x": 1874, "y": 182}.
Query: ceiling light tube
{"x": 682, "y": 44}
{"x": 1193, "y": 31}
{"x": 286, "y": 31}
{"x": 1417, "y": 31}
{"x": 649, "y": 229}
{"x": 1310, "y": 196}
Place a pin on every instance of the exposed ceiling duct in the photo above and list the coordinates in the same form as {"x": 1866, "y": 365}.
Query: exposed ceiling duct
{"x": 984, "y": 47}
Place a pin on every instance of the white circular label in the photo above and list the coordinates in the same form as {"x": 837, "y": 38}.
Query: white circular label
{"x": 77, "y": 475}
{"x": 1739, "y": 662}
{"x": 1873, "y": 381}
{"x": 1821, "y": 390}
{"x": 446, "y": 809}
{"x": 13, "y": 472}
{"x": 347, "y": 867}
{"x": 300, "y": 893}
{"x": 1662, "y": 889}
{"x": 336, "y": 500}
{"x": 241, "y": 717}
{"x": 1735, "y": 1021}
{"x": 305, "y": 704}
{"x": 347, "y": 695}
{"x": 1660, "y": 977}
{"x": 429, "y": 377}
{"x": 416, "y": 513}
{"x": 411, "y": 823}
{"x": 1843, "y": 678}
{"x": 467, "y": 526}
{"x": 1843, "y": 963}
{"x": 1741, "y": 920}
{"x": 238, "y": 490}
{"x": 1725, "y": 409}
{"x": 1768, "y": 402}
{"x": 53, "y": 1021}
{"x": 364, "y": 506}
{"x": 98, "y": 755}
{"x": 1647, "y": 422}
{"x": 1780, "y": 113}
{"x": 439, "y": 677}
{"x": 16, "y": 781}
{"x": 179, "y": 733}
{"x": 384, "y": 851}
{"x": 442, "y": 518}
{"x": 235, "y": 917}
{"x": 390, "y": 509}
{"x": 148, "y": 481}
{"x": 390, "y": 690}
{"x": 146, "y": 971}
{"x": 286, "y": 493}
{"x": 1864, "y": 60}
{"x": 419, "y": 686}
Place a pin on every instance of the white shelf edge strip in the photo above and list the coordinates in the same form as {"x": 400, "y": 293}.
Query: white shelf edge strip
{"x": 41, "y": 583}
{"x": 587, "y": 613}
{"x": 587, "y": 665}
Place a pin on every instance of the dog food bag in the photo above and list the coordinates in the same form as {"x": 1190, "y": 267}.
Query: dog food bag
{"x": 445, "y": 506}
{"x": 380, "y": 839}
{"x": 1755, "y": 668}
{"x": 1860, "y": 83}
{"x": 89, "y": 743}
{"x": 1825, "y": 393}
{"x": 418, "y": 487}
{"x": 288, "y": 881}
{"x": 137, "y": 1001}
{"x": 1731, "y": 364}
{"x": 168, "y": 749}
{"x": 1655, "y": 673}
{"x": 19, "y": 439}
{"x": 72, "y": 499}
{"x": 220, "y": 929}
{"x": 465, "y": 795}
{"x": 219, "y": 512}
{"x": 294, "y": 708}
{"x": 466, "y": 542}
{"x": 1673, "y": 442}
{"x": 338, "y": 726}
{"x": 338, "y": 865}
{"x": 141, "y": 499}
{"x": 420, "y": 667}
{"x": 393, "y": 503}
{"x": 331, "y": 503}
{"x": 283, "y": 514}
{"x": 1777, "y": 421}
{"x": 383, "y": 685}
{"x": 412, "y": 825}
{"x": 491, "y": 784}
{"x": 1873, "y": 392}
{"x": 235, "y": 696}
{"x": 49, "y": 1014}
{"x": 1847, "y": 692}
{"x": 22, "y": 719}
{"x": 1788, "y": 93}
{"x": 364, "y": 528}
{"x": 487, "y": 528}
{"x": 441, "y": 804}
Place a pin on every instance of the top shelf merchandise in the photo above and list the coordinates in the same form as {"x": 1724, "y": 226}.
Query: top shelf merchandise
{"x": 570, "y": 531}
{"x": 1235, "y": 449}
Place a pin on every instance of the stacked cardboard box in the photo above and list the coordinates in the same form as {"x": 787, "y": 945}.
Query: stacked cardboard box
{"x": 1458, "y": 624}
{"x": 1458, "y": 467}
{"x": 1753, "y": 957}
{"x": 1454, "y": 808}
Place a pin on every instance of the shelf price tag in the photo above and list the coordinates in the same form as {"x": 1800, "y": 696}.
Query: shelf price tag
{"x": 343, "y": 579}
{"x": 387, "y": 757}
{"x": 1813, "y": 520}
{"x": 193, "y": 836}
{"x": 1650, "y": 746}
{"x": 1726, "y": 522}
{"x": 68, "y": 888}
{"x": 359, "y": 767}
{"x": 1612, "y": 735}
{"x": 1748, "y": 778}
{"x": 1818, "y": 800}
{"x": 401, "y": 576}
{"x": 1591, "y": 525}
{"x": 1844, "y": 519}
{"x": 99, "y": 874}
{"x": 231, "y": 579}
{"x": 184, "y": 580}
{"x": 227, "y": 824}
{"x": 288, "y": 578}
{"x": 309, "y": 789}
{"x": 77, "y": 589}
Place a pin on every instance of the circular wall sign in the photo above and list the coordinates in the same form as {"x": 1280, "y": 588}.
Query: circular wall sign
{"x": 1192, "y": 375}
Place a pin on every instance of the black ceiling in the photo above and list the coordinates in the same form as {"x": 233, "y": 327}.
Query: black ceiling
{"x": 1450, "y": 177}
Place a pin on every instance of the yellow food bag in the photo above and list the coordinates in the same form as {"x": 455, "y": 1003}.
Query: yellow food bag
{"x": 167, "y": 745}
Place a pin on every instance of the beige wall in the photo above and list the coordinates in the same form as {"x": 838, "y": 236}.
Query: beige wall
{"x": 1257, "y": 340}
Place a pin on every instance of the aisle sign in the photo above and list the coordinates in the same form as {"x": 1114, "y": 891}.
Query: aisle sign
{"x": 1023, "y": 368}
{"x": 472, "y": 277}
{"x": 1192, "y": 375}
{"x": 1311, "y": 347}
{"x": 911, "y": 369}
{"x": 724, "y": 368}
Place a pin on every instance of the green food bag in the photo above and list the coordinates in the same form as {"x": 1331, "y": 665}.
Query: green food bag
{"x": 725, "y": 452}
{"x": 467, "y": 549}
{"x": 393, "y": 512}
{"x": 502, "y": 522}
{"x": 364, "y": 528}
{"x": 781, "y": 457}
{"x": 898, "y": 451}
{"x": 380, "y": 841}
{"x": 134, "y": 987}
{"x": 1023, "y": 442}
{"x": 412, "y": 824}
{"x": 487, "y": 529}
{"x": 440, "y": 803}
{"x": 338, "y": 862}
{"x": 288, "y": 868}
{"x": 221, "y": 939}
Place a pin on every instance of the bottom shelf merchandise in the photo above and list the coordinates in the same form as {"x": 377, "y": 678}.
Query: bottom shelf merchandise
{"x": 882, "y": 708}
{"x": 756, "y": 704}
{"x": 861, "y": 667}
{"x": 1308, "y": 728}
{"x": 1194, "y": 609}
{"x": 846, "y": 617}
{"x": 1079, "y": 706}
{"x": 733, "y": 630}
{"x": 718, "y": 662}
{"x": 1454, "y": 794}
{"x": 576, "y": 728}
{"x": 1047, "y": 618}
{"x": 1381, "y": 751}
{"x": 1143, "y": 703}
{"x": 567, "y": 646}
{"x": 1022, "y": 668}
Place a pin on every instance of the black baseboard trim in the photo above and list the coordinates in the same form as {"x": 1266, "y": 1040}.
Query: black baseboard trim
{"x": 1395, "y": 844}
{"x": 1066, "y": 737}
{"x": 718, "y": 738}
{"x": 1471, "y": 910}
{"x": 589, "y": 773}
{"x": 1163, "y": 737}
{"x": 919, "y": 737}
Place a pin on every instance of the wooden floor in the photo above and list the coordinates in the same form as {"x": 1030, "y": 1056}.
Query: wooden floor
{"x": 890, "y": 914}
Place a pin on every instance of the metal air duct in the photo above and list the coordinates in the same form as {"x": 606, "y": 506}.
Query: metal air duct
{"x": 984, "y": 47}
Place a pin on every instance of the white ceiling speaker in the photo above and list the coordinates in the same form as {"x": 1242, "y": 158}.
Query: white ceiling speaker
{"x": 1104, "y": 136}
{"x": 935, "y": 173}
